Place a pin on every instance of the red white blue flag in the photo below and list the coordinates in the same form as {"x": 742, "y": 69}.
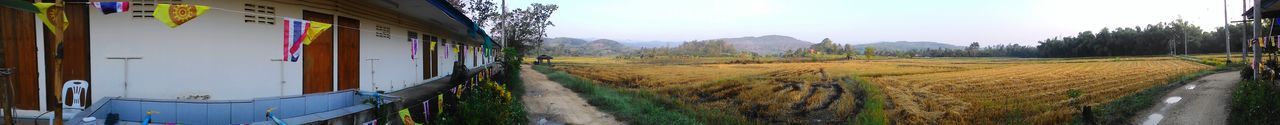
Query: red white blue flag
{"x": 112, "y": 7}
{"x": 295, "y": 30}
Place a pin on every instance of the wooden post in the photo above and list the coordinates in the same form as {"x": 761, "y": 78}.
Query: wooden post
{"x": 55, "y": 14}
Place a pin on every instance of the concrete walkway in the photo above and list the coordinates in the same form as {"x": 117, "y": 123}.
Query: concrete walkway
{"x": 549, "y": 103}
{"x": 1202, "y": 102}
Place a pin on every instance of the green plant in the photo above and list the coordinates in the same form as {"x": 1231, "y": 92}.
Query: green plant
{"x": 1254, "y": 103}
{"x": 872, "y": 112}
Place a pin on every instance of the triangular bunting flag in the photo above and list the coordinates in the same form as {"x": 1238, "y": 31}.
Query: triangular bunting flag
{"x": 174, "y": 15}
{"x": 316, "y": 29}
{"x": 433, "y": 45}
{"x": 47, "y": 14}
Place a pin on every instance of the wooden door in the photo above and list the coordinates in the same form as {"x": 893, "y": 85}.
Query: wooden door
{"x": 18, "y": 35}
{"x": 348, "y": 53}
{"x": 75, "y": 58}
{"x": 317, "y": 58}
{"x": 429, "y": 63}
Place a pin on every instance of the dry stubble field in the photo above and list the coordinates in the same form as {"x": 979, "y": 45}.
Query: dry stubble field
{"x": 920, "y": 91}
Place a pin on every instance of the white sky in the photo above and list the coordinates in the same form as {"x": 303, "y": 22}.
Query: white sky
{"x": 863, "y": 21}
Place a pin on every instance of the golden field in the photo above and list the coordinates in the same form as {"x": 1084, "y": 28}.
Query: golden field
{"x": 919, "y": 91}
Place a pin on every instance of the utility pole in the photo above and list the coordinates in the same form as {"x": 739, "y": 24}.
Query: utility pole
{"x": 1226, "y": 28}
{"x": 1244, "y": 44}
{"x": 1257, "y": 20}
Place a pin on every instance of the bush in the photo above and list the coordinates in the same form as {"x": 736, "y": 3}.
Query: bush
{"x": 1255, "y": 103}
{"x": 490, "y": 103}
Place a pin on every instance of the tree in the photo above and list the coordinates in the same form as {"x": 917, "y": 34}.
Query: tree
{"x": 870, "y": 52}
{"x": 525, "y": 28}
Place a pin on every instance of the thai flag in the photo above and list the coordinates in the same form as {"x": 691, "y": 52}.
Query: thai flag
{"x": 294, "y": 31}
{"x": 112, "y": 7}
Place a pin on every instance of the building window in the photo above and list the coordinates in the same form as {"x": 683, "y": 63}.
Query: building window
{"x": 259, "y": 14}
{"x": 382, "y": 31}
{"x": 142, "y": 9}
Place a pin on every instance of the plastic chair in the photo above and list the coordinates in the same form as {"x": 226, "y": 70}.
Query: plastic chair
{"x": 77, "y": 89}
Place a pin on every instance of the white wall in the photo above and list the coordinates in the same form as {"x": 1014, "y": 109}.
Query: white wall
{"x": 394, "y": 68}
{"x": 219, "y": 55}
{"x": 215, "y": 54}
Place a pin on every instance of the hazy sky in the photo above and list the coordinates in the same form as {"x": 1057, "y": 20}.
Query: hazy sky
{"x": 864, "y": 21}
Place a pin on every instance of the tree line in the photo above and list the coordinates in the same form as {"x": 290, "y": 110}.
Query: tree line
{"x": 706, "y": 48}
{"x": 1152, "y": 39}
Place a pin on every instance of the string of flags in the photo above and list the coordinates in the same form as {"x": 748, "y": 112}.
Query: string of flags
{"x": 441, "y": 103}
{"x": 297, "y": 32}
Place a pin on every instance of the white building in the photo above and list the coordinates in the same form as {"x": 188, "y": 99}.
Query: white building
{"x": 232, "y": 51}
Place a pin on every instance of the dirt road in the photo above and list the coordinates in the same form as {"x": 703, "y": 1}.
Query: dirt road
{"x": 549, "y": 103}
{"x": 1203, "y": 102}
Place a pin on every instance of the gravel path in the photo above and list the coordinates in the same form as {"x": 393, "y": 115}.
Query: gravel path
{"x": 548, "y": 103}
{"x": 1203, "y": 102}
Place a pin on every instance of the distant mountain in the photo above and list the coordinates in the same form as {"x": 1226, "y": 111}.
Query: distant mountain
{"x": 651, "y": 44}
{"x": 907, "y": 45}
{"x": 767, "y": 44}
{"x": 578, "y": 47}
{"x": 607, "y": 47}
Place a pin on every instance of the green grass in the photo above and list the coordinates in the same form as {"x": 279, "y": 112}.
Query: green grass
{"x": 633, "y": 107}
{"x": 872, "y": 112}
{"x": 1119, "y": 111}
{"x": 1255, "y": 103}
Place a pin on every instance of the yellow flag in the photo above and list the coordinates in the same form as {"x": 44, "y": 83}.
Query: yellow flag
{"x": 174, "y": 15}
{"x": 44, "y": 16}
{"x": 314, "y": 31}
{"x": 404, "y": 116}
{"x": 440, "y": 103}
{"x": 456, "y": 47}
{"x": 433, "y": 45}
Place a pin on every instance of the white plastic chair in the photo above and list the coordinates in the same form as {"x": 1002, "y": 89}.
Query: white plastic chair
{"x": 77, "y": 89}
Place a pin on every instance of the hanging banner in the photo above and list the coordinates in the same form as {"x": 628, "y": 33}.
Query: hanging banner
{"x": 440, "y": 103}
{"x": 413, "y": 49}
{"x": 48, "y": 12}
{"x": 294, "y": 33}
{"x": 444, "y": 50}
{"x": 174, "y": 15}
{"x": 426, "y": 110}
{"x": 112, "y": 7}
{"x": 408, "y": 119}
{"x": 315, "y": 30}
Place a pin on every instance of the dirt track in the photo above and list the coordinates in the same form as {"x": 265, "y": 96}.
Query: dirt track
{"x": 1203, "y": 102}
{"x": 549, "y": 103}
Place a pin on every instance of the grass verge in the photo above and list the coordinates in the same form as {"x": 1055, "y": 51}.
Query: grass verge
{"x": 1119, "y": 111}
{"x": 873, "y": 101}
